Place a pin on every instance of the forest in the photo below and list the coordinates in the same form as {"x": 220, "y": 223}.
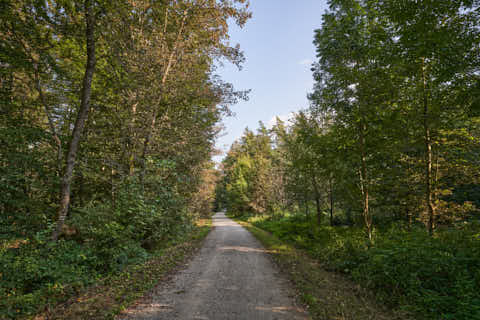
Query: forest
{"x": 108, "y": 116}
{"x": 109, "y": 113}
{"x": 379, "y": 178}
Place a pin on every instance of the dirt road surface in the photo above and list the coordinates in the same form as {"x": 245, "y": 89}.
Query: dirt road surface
{"x": 231, "y": 277}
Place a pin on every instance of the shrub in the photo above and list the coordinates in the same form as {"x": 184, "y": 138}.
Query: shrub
{"x": 435, "y": 276}
{"x": 38, "y": 272}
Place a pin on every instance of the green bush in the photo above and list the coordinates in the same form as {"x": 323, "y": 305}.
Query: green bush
{"x": 39, "y": 272}
{"x": 435, "y": 276}
{"x": 112, "y": 242}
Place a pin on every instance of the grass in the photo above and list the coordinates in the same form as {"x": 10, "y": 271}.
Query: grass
{"x": 112, "y": 295}
{"x": 327, "y": 295}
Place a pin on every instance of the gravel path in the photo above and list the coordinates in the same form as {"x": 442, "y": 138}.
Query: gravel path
{"x": 230, "y": 278}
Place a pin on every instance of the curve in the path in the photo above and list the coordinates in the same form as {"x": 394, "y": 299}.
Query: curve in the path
{"x": 230, "y": 278}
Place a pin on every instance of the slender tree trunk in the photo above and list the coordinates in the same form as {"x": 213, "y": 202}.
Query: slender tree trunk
{"x": 410, "y": 218}
{"x": 131, "y": 157}
{"x": 81, "y": 118}
{"x": 307, "y": 208}
{"x": 26, "y": 189}
{"x": 364, "y": 181}
{"x": 428, "y": 154}
{"x": 331, "y": 201}
{"x": 317, "y": 200}
{"x": 319, "y": 210}
{"x": 112, "y": 185}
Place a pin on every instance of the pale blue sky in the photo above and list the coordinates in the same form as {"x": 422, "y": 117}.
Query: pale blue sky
{"x": 277, "y": 42}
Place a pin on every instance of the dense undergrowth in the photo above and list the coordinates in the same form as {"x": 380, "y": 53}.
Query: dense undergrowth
{"x": 37, "y": 273}
{"x": 436, "y": 277}
{"x": 116, "y": 292}
{"x": 40, "y": 274}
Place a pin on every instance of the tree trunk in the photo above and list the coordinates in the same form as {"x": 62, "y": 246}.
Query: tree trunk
{"x": 364, "y": 181}
{"x": 317, "y": 201}
{"x": 112, "y": 186}
{"x": 410, "y": 218}
{"x": 319, "y": 210}
{"x": 428, "y": 155}
{"x": 80, "y": 121}
{"x": 131, "y": 141}
{"x": 305, "y": 201}
{"x": 331, "y": 201}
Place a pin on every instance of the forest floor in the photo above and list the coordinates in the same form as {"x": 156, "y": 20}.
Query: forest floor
{"x": 232, "y": 277}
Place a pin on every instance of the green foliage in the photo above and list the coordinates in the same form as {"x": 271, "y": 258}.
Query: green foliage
{"x": 112, "y": 241}
{"x": 100, "y": 240}
{"x": 435, "y": 277}
{"x": 39, "y": 273}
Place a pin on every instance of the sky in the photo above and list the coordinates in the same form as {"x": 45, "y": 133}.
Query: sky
{"x": 278, "y": 46}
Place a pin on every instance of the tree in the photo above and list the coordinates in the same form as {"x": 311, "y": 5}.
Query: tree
{"x": 348, "y": 45}
{"x": 85, "y": 97}
{"x": 108, "y": 99}
{"x": 436, "y": 43}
